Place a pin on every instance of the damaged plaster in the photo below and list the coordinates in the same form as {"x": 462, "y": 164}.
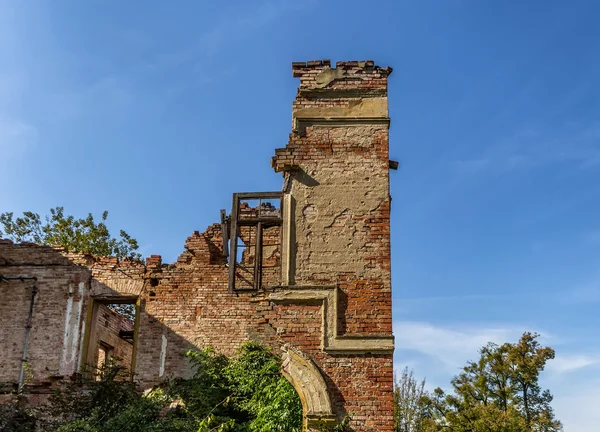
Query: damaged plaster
{"x": 326, "y": 294}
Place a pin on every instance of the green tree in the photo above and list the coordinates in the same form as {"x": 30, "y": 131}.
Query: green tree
{"x": 79, "y": 235}
{"x": 410, "y": 414}
{"x": 527, "y": 359}
{"x": 498, "y": 393}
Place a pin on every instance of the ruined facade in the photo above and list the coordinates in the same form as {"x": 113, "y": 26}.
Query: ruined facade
{"x": 112, "y": 340}
{"x": 305, "y": 270}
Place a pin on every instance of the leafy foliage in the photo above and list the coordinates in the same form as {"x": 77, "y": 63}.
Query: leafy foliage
{"x": 91, "y": 400}
{"x": 80, "y": 235}
{"x": 342, "y": 426}
{"x": 246, "y": 393}
{"x": 498, "y": 393}
{"x": 410, "y": 414}
{"x": 260, "y": 390}
{"x": 15, "y": 416}
{"x": 125, "y": 309}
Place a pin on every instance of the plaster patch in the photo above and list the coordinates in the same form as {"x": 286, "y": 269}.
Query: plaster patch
{"x": 163, "y": 356}
{"x": 309, "y": 212}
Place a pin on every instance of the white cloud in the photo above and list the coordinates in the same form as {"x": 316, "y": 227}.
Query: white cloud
{"x": 568, "y": 363}
{"x": 452, "y": 346}
{"x": 577, "y": 406}
{"x": 424, "y": 347}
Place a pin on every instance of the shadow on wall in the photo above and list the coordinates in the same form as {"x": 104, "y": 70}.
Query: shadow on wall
{"x": 71, "y": 324}
{"x": 179, "y": 307}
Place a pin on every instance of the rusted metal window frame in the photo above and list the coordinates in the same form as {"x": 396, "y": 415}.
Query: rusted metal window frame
{"x": 260, "y": 223}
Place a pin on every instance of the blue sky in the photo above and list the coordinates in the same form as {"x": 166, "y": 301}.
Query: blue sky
{"x": 158, "y": 113}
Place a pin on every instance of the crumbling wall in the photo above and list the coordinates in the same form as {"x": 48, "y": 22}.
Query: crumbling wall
{"x": 110, "y": 325}
{"x": 57, "y": 316}
{"x": 336, "y": 169}
{"x": 327, "y": 296}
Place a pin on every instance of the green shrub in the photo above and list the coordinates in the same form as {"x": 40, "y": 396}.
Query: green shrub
{"x": 246, "y": 393}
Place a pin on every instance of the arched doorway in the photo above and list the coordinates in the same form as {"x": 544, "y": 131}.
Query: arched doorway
{"x": 310, "y": 385}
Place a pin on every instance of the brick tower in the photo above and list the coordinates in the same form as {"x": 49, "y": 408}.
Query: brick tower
{"x": 305, "y": 270}
{"x": 336, "y": 189}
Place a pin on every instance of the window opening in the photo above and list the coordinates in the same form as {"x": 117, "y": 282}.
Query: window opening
{"x": 112, "y": 335}
{"x": 105, "y": 355}
{"x": 252, "y": 240}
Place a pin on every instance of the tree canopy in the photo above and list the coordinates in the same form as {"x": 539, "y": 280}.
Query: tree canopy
{"x": 79, "y": 235}
{"x": 409, "y": 411}
{"x": 500, "y": 392}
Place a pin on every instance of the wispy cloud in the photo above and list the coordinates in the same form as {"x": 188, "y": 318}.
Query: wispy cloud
{"x": 569, "y": 363}
{"x": 576, "y": 404}
{"x": 436, "y": 352}
{"x": 452, "y": 346}
{"x": 455, "y": 344}
{"x": 403, "y": 305}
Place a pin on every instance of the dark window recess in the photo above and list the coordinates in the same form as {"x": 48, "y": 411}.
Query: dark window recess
{"x": 126, "y": 335}
{"x": 252, "y": 240}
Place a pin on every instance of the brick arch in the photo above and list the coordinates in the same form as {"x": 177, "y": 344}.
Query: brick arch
{"x": 306, "y": 378}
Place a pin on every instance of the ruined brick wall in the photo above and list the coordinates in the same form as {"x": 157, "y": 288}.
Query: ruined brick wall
{"x": 54, "y": 340}
{"x": 327, "y": 296}
{"x": 110, "y": 324}
{"x": 340, "y": 187}
{"x": 337, "y": 174}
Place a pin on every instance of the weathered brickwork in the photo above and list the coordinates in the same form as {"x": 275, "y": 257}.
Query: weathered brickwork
{"x": 51, "y": 352}
{"x": 108, "y": 338}
{"x": 326, "y": 300}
